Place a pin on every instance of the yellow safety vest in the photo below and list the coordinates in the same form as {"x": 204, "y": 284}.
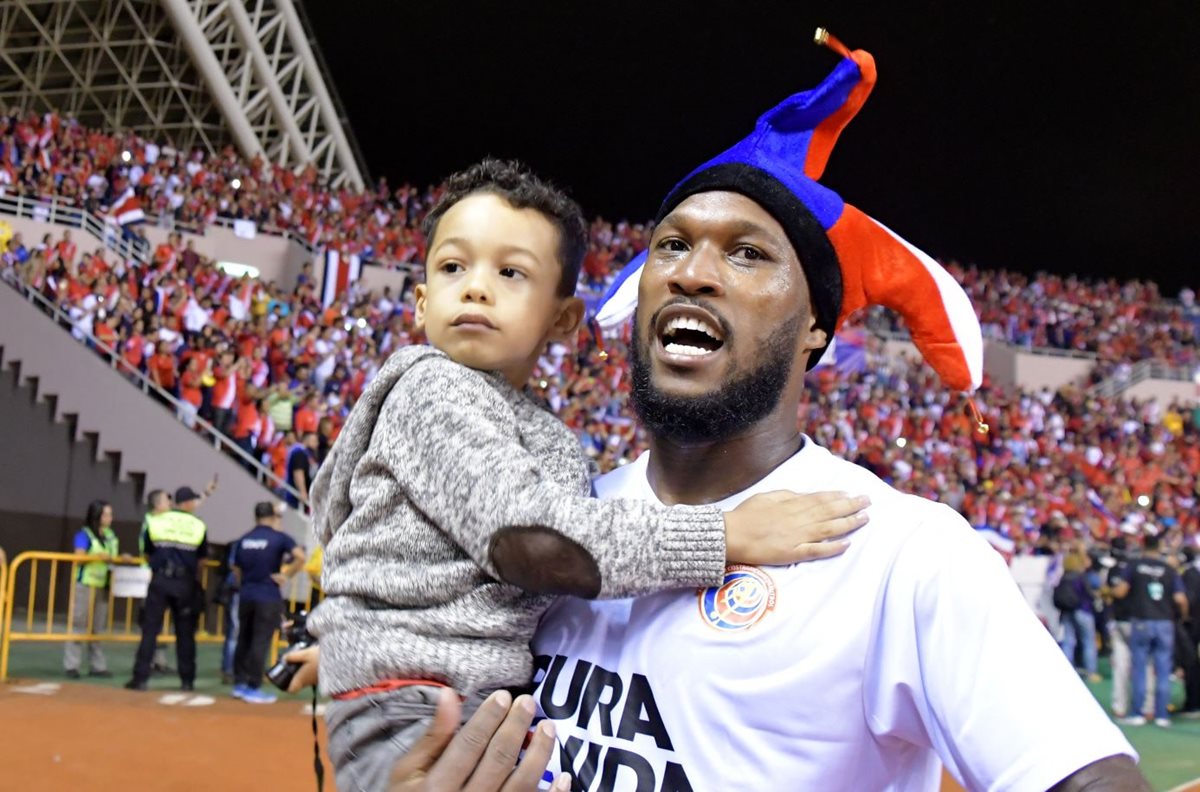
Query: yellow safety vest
{"x": 95, "y": 573}
{"x": 175, "y": 529}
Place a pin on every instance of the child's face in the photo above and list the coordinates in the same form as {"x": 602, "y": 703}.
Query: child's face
{"x": 490, "y": 300}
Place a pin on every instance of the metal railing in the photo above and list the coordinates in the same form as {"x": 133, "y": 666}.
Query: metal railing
{"x": 171, "y": 224}
{"x": 55, "y": 210}
{"x": 1078, "y": 354}
{"x": 41, "y": 572}
{"x": 51, "y": 209}
{"x": 1141, "y": 371}
{"x": 3, "y": 590}
{"x": 903, "y": 335}
{"x": 116, "y": 361}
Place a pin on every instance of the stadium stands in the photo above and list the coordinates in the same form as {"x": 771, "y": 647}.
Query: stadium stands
{"x": 264, "y": 362}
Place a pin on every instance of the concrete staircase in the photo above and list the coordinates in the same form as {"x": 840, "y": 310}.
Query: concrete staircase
{"x": 138, "y": 436}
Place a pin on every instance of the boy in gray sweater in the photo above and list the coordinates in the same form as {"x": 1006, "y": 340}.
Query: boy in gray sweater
{"x": 449, "y": 484}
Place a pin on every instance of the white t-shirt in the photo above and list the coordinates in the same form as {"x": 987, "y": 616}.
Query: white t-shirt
{"x": 863, "y": 672}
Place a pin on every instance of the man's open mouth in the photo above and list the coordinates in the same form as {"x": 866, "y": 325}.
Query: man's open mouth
{"x": 690, "y": 332}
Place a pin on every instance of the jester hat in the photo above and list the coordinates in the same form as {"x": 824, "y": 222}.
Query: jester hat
{"x": 777, "y": 166}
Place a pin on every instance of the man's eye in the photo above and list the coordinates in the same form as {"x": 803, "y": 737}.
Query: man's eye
{"x": 673, "y": 244}
{"x": 451, "y": 267}
{"x": 509, "y": 272}
{"x": 749, "y": 252}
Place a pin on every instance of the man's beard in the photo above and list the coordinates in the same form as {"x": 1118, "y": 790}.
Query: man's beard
{"x": 742, "y": 400}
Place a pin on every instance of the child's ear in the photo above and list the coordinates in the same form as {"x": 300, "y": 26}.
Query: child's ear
{"x": 566, "y": 324}
{"x": 419, "y": 314}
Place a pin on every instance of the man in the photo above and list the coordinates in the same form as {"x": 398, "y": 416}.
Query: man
{"x": 157, "y": 502}
{"x": 264, "y": 558}
{"x": 300, "y": 467}
{"x": 175, "y": 543}
{"x": 1119, "y": 630}
{"x": 867, "y": 671}
{"x": 280, "y": 404}
{"x": 1191, "y": 587}
{"x": 1151, "y": 585}
{"x": 860, "y": 672}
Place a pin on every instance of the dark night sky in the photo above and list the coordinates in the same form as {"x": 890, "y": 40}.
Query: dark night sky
{"x": 1021, "y": 135}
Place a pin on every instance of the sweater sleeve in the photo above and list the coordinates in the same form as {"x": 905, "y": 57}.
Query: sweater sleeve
{"x": 459, "y": 457}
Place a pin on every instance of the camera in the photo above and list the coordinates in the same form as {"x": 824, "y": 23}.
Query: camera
{"x": 298, "y": 637}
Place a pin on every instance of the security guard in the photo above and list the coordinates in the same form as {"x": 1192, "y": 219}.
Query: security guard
{"x": 175, "y": 543}
{"x": 96, "y": 539}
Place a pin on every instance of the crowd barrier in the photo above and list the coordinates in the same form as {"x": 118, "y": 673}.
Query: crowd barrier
{"x": 34, "y": 581}
{"x": 3, "y": 589}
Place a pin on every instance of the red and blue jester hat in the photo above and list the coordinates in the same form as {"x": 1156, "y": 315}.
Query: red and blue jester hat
{"x": 777, "y": 166}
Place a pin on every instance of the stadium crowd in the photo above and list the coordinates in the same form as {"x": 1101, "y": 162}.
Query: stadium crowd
{"x": 277, "y": 371}
{"x": 268, "y": 366}
{"x": 1117, "y": 323}
{"x": 49, "y": 155}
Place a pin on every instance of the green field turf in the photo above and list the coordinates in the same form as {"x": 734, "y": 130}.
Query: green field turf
{"x": 43, "y": 662}
{"x": 1170, "y": 757}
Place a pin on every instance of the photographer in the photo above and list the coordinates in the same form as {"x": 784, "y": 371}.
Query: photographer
{"x": 265, "y": 558}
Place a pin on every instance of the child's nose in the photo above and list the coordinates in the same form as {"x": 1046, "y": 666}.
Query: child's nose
{"x": 477, "y": 290}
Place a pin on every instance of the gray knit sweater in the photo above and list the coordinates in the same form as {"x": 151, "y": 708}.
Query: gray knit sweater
{"x": 433, "y": 460}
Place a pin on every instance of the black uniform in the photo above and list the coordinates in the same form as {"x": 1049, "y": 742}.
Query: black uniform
{"x": 1191, "y": 631}
{"x": 175, "y": 543}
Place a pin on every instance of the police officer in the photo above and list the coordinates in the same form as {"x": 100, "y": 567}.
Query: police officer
{"x": 157, "y": 502}
{"x": 175, "y": 543}
{"x": 1151, "y": 586}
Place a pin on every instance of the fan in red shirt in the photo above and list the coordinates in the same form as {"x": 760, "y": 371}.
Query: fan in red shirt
{"x": 66, "y": 250}
{"x": 225, "y": 390}
{"x": 162, "y": 368}
{"x": 308, "y": 416}
{"x": 134, "y": 348}
{"x": 105, "y": 331}
{"x": 190, "y": 394}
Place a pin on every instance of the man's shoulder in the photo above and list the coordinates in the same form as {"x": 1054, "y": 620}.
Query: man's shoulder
{"x": 899, "y": 511}
{"x": 910, "y": 535}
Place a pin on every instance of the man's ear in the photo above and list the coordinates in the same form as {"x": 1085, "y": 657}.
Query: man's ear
{"x": 419, "y": 315}
{"x": 817, "y": 339}
{"x": 566, "y": 324}
{"x": 814, "y": 338}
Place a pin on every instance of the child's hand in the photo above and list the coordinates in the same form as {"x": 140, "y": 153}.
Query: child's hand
{"x": 306, "y": 675}
{"x": 775, "y": 528}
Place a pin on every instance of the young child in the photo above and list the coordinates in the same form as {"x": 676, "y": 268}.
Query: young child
{"x": 449, "y": 484}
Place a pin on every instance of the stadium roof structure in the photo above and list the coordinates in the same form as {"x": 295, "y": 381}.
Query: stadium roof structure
{"x": 194, "y": 73}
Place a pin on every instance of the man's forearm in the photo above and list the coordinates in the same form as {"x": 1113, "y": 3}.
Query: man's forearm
{"x": 1113, "y": 774}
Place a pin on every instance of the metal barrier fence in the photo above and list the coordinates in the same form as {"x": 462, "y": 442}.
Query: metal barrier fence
{"x": 3, "y": 590}
{"x": 34, "y": 579}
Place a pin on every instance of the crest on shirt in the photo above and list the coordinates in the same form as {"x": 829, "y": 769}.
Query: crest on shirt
{"x": 740, "y": 602}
